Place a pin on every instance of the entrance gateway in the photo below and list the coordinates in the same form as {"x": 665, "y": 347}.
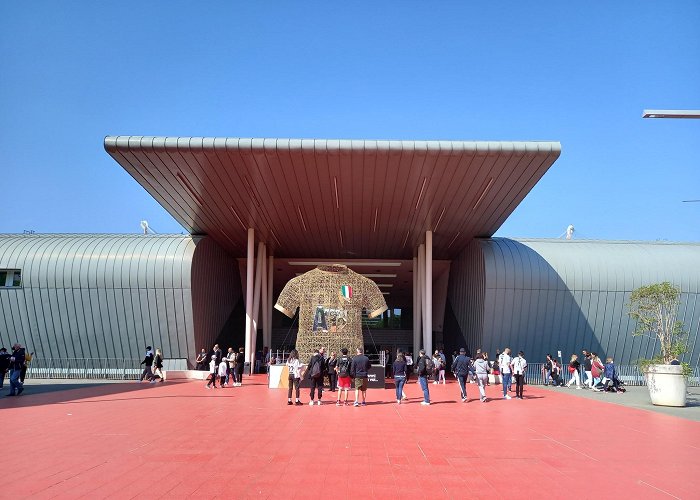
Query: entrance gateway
{"x": 401, "y": 213}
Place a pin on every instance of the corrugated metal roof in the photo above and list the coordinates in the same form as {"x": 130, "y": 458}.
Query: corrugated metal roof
{"x": 336, "y": 198}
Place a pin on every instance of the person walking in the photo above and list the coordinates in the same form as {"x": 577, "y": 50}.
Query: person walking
{"x": 343, "y": 370}
{"x": 574, "y": 366}
{"x": 424, "y": 369}
{"x": 461, "y": 367}
{"x": 147, "y": 372}
{"x": 587, "y": 362}
{"x": 597, "y": 369}
{"x": 240, "y": 364}
{"x": 437, "y": 362}
{"x": 399, "y": 371}
{"x": 315, "y": 369}
{"x": 221, "y": 372}
{"x": 27, "y": 360}
{"x": 519, "y": 365}
{"x": 158, "y": 364}
{"x": 213, "y": 368}
{"x": 359, "y": 371}
{"x": 4, "y": 365}
{"x": 409, "y": 367}
{"x": 331, "y": 365}
{"x": 231, "y": 363}
{"x": 482, "y": 368}
{"x": 506, "y": 374}
{"x": 17, "y": 361}
{"x": 294, "y": 368}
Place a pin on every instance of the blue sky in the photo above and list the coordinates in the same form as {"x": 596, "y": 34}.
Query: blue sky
{"x": 576, "y": 72}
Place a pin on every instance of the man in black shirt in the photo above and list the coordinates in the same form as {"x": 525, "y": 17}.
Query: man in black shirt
{"x": 316, "y": 368}
{"x": 4, "y": 365}
{"x": 461, "y": 367}
{"x": 147, "y": 372}
{"x": 359, "y": 371}
{"x": 17, "y": 361}
{"x": 423, "y": 369}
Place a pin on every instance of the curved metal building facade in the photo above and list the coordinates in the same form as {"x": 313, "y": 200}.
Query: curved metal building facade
{"x": 108, "y": 296}
{"x": 547, "y": 295}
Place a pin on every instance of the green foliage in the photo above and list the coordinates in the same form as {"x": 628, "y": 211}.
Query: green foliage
{"x": 655, "y": 309}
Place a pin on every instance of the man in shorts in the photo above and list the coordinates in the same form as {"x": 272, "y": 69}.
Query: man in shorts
{"x": 342, "y": 368}
{"x": 359, "y": 370}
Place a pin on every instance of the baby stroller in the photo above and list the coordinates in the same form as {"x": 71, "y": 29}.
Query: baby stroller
{"x": 614, "y": 385}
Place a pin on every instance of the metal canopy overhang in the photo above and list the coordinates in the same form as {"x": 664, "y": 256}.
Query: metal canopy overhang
{"x": 336, "y": 198}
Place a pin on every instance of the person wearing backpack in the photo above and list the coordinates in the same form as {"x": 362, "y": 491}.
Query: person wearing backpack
{"x": 343, "y": 370}
{"x": 315, "y": 369}
{"x": 424, "y": 369}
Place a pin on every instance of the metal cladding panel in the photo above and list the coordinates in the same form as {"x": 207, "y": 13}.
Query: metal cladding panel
{"x": 577, "y": 294}
{"x": 370, "y": 199}
{"x": 88, "y": 296}
{"x": 216, "y": 289}
{"x": 466, "y": 296}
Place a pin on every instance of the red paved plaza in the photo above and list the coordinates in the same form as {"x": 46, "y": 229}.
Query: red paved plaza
{"x": 179, "y": 440}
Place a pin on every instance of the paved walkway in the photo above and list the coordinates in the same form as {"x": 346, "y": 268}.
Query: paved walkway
{"x": 179, "y": 440}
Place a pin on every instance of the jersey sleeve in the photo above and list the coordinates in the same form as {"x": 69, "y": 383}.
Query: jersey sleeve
{"x": 290, "y": 298}
{"x": 373, "y": 300}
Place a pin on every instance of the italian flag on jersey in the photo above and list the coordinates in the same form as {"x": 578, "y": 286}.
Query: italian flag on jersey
{"x": 346, "y": 292}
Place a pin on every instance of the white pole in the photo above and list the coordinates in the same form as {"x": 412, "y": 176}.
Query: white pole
{"x": 416, "y": 307}
{"x": 256, "y": 303}
{"x": 264, "y": 304}
{"x": 428, "y": 315}
{"x": 421, "y": 287}
{"x": 249, "y": 290}
{"x": 270, "y": 298}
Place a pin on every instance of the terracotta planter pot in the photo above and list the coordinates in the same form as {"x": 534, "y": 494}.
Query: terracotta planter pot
{"x": 667, "y": 385}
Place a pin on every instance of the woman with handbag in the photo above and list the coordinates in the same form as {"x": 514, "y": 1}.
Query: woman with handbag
{"x": 574, "y": 365}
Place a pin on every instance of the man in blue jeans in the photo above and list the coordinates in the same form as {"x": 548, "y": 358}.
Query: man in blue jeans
{"x": 17, "y": 361}
{"x": 506, "y": 373}
{"x": 422, "y": 369}
{"x": 461, "y": 367}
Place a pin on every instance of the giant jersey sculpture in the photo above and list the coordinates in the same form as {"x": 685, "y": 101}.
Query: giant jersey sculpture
{"x": 330, "y": 301}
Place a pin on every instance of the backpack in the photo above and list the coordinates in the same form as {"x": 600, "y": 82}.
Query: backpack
{"x": 316, "y": 369}
{"x": 344, "y": 367}
{"x": 429, "y": 366}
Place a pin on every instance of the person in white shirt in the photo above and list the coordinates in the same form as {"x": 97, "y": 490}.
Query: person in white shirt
{"x": 519, "y": 364}
{"x": 222, "y": 373}
{"x": 504, "y": 362}
{"x": 294, "y": 367}
{"x": 212, "y": 372}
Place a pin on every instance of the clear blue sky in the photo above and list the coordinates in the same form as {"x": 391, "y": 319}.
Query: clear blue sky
{"x": 577, "y": 72}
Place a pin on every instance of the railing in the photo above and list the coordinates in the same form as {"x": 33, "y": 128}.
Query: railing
{"x": 85, "y": 368}
{"x": 628, "y": 374}
{"x": 130, "y": 369}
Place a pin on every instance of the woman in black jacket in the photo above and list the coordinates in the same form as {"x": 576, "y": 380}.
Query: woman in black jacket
{"x": 574, "y": 365}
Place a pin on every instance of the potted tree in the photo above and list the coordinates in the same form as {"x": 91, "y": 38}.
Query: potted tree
{"x": 655, "y": 309}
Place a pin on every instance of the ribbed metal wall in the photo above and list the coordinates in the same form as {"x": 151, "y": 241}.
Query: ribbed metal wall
{"x": 108, "y": 296}
{"x": 547, "y": 295}
{"x": 466, "y": 296}
{"x": 216, "y": 288}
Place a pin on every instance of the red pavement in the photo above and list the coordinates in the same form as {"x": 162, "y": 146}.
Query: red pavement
{"x": 179, "y": 440}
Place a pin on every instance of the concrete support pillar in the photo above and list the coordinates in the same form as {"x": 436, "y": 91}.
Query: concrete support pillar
{"x": 428, "y": 313}
{"x": 267, "y": 332}
{"x": 421, "y": 288}
{"x": 416, "y": 308}
{"x": 250, "y": 261}
{"x": 256, "y": 302}
{"x": 264, "y": 303}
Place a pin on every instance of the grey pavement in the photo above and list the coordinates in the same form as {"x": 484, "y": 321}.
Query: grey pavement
{"x": 638, "y": 397}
